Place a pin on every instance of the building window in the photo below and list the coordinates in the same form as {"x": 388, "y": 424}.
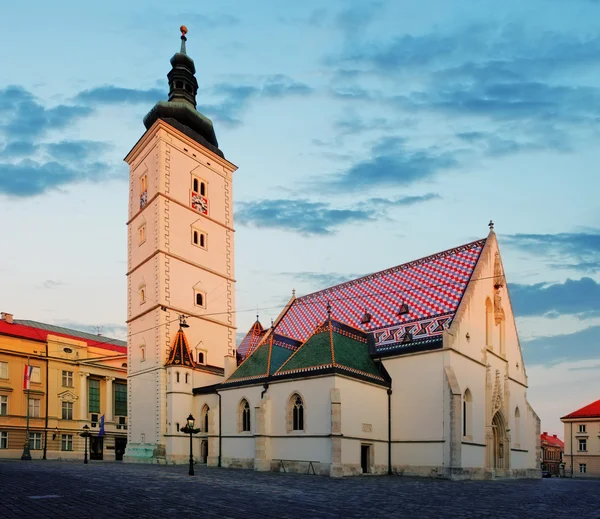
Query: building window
{"x": 297, "y": 413}
{"x": 199, "y": 238}
{"x": 67, "y": 379}
{"x": 198, "y": 186}
{"x": 582, "y": 428}
{"x": 142, "y": 234}
{"x": 142, "y": 353}
{"x": 34, "y": 408}
{"x": 3, "y": 369}
{"x": 205, "y": 411}
{"x": 36, "y": 375}
{"x": 67, "y": 410}
{"x": 467, "y": 412}
{"x": 143, "y": 183}
{"x": 142, "y": 295}
{"x": 93, "y": 396}
{"x": 583, "y": 444}
{"x": 583, "y": 468}
{"x": 177, "y": 376}
{"x": 120, "y": 399}
{"x": 200, "y": 299}
{"x": 200, "y": 356}
{"x": 67, "y": 442}
{"x": 3, "y": 405}
{"x": 187, "y": 378}
{"x": 3, "y": 440}
{"x": 245, "y": 415}
{"x": 177, "y": 426}
{"x": 35, "y": 441}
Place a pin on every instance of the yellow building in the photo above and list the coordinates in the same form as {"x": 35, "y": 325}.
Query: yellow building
{"x": 76, "y": 379}
{"x": 582, "y": 441}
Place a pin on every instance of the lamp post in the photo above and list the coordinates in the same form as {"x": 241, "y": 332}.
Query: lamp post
{"x": 189, "y": 429}
{"x": 85, "y": 435}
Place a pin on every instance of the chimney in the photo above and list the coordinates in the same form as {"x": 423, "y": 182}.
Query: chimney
{"x": 7, "y": 317}
{"x": 230, "y": 364}
{"x": 545, "y": 433}
{"x": 554, "y": 436}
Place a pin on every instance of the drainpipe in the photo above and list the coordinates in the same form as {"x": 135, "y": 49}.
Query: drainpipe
{"x": 571, "y": 449}
{"x": 47, "y": 397}
{"x": 389, "y": 392}
{"x": 220, "y": 436}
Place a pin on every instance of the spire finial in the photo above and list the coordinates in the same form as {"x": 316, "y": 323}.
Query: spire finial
{"x": 293, "y": 292}
{"x": 184, "y": 31}
{"x": 491, "y": 225}
{"x": 272, "y": 324}
{"x": 328, "y": 311}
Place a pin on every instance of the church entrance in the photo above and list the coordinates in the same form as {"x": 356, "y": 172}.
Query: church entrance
{"x": 365, "y": 454}
{"x": 499, "y": 439}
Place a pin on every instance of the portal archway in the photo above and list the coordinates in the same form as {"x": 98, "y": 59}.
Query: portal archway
{"x": 499, "y": 444}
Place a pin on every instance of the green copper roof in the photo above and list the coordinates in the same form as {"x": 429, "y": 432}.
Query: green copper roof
{"x": 333, "y": 345}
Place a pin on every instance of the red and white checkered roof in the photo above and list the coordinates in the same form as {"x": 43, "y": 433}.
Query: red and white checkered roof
{"x": 432, "y": 286}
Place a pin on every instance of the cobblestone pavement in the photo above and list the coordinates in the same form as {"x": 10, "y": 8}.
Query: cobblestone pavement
{"x": 113, "y": 490}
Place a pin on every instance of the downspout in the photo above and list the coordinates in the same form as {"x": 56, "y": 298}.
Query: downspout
{"x": 220, "y": 436}
{"x": 389, "y": 392}
{"x": 47, "y": 400}
{"x": 571, "y": 449}
{"x": 262, "y": 393}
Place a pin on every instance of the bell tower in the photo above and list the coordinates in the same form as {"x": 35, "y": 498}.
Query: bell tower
{"x": 180, "y": 266}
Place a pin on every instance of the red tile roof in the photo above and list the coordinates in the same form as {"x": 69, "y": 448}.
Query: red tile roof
{"x": 35, "y": 333}
{"x": 251, "y": 340}
{"x": 552, "y": 440}
{"x": 589, "y": 411}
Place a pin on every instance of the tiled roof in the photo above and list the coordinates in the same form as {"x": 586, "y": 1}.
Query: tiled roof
{"x": 37, "y": 331}
{"x": 265, "y": 360}
{"x": 251, "y": 340}
{"x": 333, "y": 345}
{"x": 552, "y": 440}
{"x": 180, "y": 352}
{"x": 431, "y": 287}
{"x": 589, "y": 411}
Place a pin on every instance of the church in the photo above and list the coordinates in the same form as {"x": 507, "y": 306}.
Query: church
{"x": 414, "y": 370}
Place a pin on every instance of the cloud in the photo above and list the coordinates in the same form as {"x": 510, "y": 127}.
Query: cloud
{"x": 575, "y": 251}
{"x": 579, "y": 297}
{"x": 495, "y": 145}
{"x": 353, "y": 20}
{"x": 320, "y": 280}
{"x": 51, "y": 284}
{"x": 302, "y": 216}
{"x": 236, "y": 97}
{"x": 317, "y": 218}
{"x": 22, "y": 117}
{"x": 110, "y": 94}
{"x": 75, "y": 151}
{"x": 392, "y": 163}
{"x": 570, "y": 347}
{"x": 19, "y": 149}
{"x": 29, "y": 178}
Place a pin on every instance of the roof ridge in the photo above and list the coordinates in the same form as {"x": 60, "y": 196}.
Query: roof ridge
{"x": 68, "y": 331}
{"x": 402, "y": 266}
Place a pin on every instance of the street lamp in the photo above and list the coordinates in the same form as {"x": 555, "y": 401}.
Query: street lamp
{"x": 85, "y": 435}
{"x": 189, "y": 429}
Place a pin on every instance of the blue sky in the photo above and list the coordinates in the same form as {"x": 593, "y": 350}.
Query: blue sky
{"x": 367, "y": 134}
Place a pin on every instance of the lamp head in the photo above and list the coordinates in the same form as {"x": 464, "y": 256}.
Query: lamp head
{"x": 190, "y": 421}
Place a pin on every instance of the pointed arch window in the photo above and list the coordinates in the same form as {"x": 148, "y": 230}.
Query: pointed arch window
{"x": 517, "y": 434}
{"x": 204, "y": 422}
{"x": 467, "y": 418}
{"x": 296, "y": 413}
{"x": 244, "y": 416}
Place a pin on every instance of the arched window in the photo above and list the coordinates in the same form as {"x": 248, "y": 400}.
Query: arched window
{"x": 177, "y": 377}
{"x": 200, "y": 357}
{"x": 205, "y": 411}
{"x": 201, "y": 239}
{"x": 200, "y": 299}
{"x": 488, "y": 322}
{"x": 467, "y": 411}
{"x": 244, "y": 416}
{"x": 195, "y": 237}
{"x": 142, "y": 295}
{"x": 202, "y": 188}
{"x": 517, "y": 435}
{"x": 195, "y": 185}
{"x": 296, "y": 414}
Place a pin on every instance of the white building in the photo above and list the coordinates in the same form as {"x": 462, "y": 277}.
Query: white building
{"x": 416, "y": 369}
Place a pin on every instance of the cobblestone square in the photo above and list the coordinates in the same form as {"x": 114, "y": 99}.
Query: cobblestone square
{"x": 113, "y": 490}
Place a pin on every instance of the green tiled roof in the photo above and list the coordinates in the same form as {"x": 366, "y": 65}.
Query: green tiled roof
{"x": 255, "y": 365}
{"x": 350, "y": 352}
{"x": 278, "y": 357}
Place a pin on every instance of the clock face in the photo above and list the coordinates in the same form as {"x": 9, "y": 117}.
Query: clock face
{"x": 200, "y": 203}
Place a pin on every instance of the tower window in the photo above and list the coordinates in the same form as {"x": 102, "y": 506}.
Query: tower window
{"x": 142, "y": 295}
{"x": 143, "y": 183}
{"x": 195, "y": 184}
{"x": 200, "y": 299}
{"x": 177, "y": 376}
{"x": 199, "y": 238}
{"x": 202, "y": 188}
{"x": 188, "y": 88}
{"x": 142, "y": 234}
{"x": 179, "y": 84}
{"x": 143, "y": 353}
{"x": 200, "y": 356}
{"x": 199, "y": 186}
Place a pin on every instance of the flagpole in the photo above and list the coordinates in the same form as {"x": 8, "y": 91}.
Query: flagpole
{"x": 26, "y": 452}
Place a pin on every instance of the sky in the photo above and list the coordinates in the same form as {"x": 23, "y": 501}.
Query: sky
{"x": 367, "y": 134}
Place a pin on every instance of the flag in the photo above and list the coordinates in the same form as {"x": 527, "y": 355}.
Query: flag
{"x": 27, "y": 376}
{"x": 101, "y": 432}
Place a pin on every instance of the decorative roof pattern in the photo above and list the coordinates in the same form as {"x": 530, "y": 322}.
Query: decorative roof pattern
{"x": 431, "y": 287}
{"x": 180, "y": 352}
{"x": 39, "y": 331}
{"x": 251, "y": 340}
{"x": 266, "y": 359}
{"x": 333, "y": 345}
{"x": 589, "y": 411}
